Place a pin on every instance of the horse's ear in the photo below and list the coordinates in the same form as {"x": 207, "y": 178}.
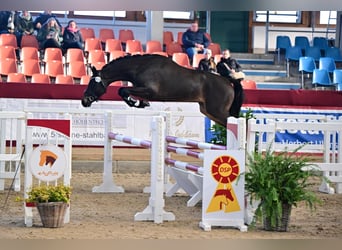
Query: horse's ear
{"x": 95, "y": 71}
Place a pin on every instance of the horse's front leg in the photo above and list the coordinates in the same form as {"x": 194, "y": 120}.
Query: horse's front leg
{"x": 125, "y": 94}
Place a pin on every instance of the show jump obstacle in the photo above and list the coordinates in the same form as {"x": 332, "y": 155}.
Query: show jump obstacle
{"x": 187, "y": 176}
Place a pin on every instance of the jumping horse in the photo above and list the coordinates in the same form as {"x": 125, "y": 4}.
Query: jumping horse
{"x": 158, "y": 78}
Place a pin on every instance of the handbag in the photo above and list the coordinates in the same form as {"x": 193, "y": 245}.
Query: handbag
{"x": 235, "y": 75}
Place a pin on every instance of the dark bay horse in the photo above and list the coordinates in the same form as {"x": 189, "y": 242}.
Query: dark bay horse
{"x": 158, "y": 78}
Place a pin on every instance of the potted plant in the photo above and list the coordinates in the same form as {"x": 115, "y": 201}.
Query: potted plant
{"x": 279, "y": 181}
{"x": 51, "y": 202}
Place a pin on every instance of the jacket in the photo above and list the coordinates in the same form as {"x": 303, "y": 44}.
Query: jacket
{"x": 189, "y": 39}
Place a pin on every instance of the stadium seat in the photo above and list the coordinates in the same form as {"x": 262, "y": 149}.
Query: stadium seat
{"x": 54, "y": 68}
{"x": 40, "y": 79}
{"x": 8, "y": 40}
{"x": 52, "y": 54}
{"x": 87, "y": 32}
{"x": 173, "y": 47}
{"x": 337, "y": 79}
{"x": 292, "y": 54}
{"x": 306, "y": 66}
{"x": 215, "y": 48}
{"x": 92, "y": 43}
{"x": 28, "y": 53}
{"x": 167, "y": 37}
{"x": 16, "y": 77}
{"x": 314, "y": 52}
{"x": 181, "y": 59}
{"x": 302, "y": 42}
{"x": 112, "y": 44}
{"x": 321, "y": 43}
{"x": 106, "y": 33}
{"x": 116, "y": 54}
{"x": 153, "y": 46}
{"x": 29, "y": 41}
{"x": 180, "y": 38}
{"x": 126, "y": 34}
{"x": 327, "y": 63}
{"x": 77, "y": 69}
{"x": 7, "y": 52}
{"x": 133, "y": 47}
{"x": 196, "y": 59}
{"x": 282, "y": 43}
{"x": 64, "y": 79}
{"x": 321, "y": 78}
{"x": 334, "y": 53}
{"x": 30, "y": 67}
{"x": 248, "y": 84}
{"x": 7, "y": 66}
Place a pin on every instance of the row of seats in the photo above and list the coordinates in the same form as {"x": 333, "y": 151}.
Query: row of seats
{"x": 294, "y": 52}
{"x": 319, "y": 46}
{"x": 321, "y": 74}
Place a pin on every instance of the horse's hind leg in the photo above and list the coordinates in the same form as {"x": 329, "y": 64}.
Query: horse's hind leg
{"x": 126, "y": 93}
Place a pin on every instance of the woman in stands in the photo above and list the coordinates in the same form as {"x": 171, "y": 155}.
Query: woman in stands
{"x": 50, "y": 35}
{"x": 72, "y": 37}
{"x": 208, "y": 64}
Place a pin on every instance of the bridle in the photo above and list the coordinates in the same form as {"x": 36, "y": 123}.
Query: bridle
{"x": 92, "y": 96}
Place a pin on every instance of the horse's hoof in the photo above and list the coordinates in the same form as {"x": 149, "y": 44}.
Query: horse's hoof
{"x": 144, "y": 104}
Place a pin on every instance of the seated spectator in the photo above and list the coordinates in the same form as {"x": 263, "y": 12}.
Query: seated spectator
{"x": 50, "y": 35}
{"x": 8, "y": 24}
{"x": 43, "y": 17}
{"x": 208, "y": 64}
{"x": 229, "y": 67}
{"x": 72, "y": 37}
{"x": 24, "y": 23}
{"x": 194, "y": 40}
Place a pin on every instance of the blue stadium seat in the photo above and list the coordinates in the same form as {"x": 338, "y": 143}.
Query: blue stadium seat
{"x": 306, "y": 65}
{"x": 321, "y": 78}
{"x": 337, "y": 79}
{"x": 292, "y": 54}
{"x": 327, "y": 63}
{"x": 334, "y": 53}
{"x": 282, "y": 43}
{"x": 313, "y": 51}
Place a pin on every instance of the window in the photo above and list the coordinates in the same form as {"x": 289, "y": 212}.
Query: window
{"x": 187, "y": 15}
{"x": 278, "y": 16}
{"x": 324, "y": 17}
{"x": 101, "y": 13}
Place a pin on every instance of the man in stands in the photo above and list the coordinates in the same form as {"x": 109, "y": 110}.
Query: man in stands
{"x": 194, "y": 40}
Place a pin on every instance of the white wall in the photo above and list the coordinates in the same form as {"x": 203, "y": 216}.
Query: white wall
{"x": 259, "y": 36}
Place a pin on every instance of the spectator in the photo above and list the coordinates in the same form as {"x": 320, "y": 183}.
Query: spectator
{"x": 194, "y": 40}
{"x": 229, "y": 67}
{"x": 43, "y": 17}
{"x": 24, "y": 23}
{"x": 208, "y": 64}
{"x": 72, "y": 37}
{"x": 50, "y": 35}
{"x": 8, "y": 25}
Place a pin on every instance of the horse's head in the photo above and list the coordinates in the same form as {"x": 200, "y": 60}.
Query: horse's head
{"x": 95, "y": 89}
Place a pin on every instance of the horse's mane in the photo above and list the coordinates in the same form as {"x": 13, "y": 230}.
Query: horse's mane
{"x": 126, "y": 57}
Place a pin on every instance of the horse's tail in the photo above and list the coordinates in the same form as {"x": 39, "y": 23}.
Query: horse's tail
{"x": 238, "y": 98}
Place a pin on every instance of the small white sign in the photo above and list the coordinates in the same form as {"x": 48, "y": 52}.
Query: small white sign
{"x": 223, "y": 189}
{"x": 47, "y": 162}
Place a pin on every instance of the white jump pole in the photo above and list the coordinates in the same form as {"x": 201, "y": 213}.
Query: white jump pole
{"x": 155, "y": 209}
{"x": 108, "y": 185}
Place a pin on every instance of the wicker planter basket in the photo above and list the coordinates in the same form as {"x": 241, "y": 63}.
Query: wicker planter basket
{"x": 52, "y": 213}
{"x": 282, "y": 223}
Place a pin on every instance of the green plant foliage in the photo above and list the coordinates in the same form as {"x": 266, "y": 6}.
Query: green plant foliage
{"x": 45, "y": 193}
{"x": 276, "y": 179}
